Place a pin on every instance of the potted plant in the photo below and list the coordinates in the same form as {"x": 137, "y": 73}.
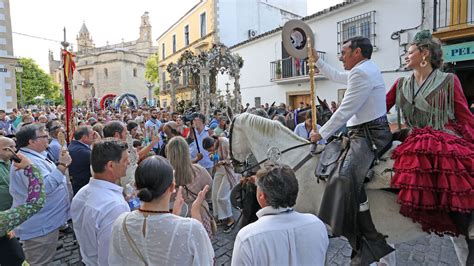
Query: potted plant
{"x": 278, "y": 70}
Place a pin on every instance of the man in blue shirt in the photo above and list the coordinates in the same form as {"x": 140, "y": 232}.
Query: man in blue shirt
{"x": 5, "y": 124}
{"x": 153, "y": 125}
{"x": 200, "y": 156}
{"x": 40, "y": 233}
{"x": 215, "y": 119}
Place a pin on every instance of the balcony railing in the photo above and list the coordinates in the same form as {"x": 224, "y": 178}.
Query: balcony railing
{"x": 291, "y": 67}
{"x": 452, "y": 14}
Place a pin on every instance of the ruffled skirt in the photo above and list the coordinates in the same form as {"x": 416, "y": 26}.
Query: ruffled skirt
{"x": 434, "y": 171}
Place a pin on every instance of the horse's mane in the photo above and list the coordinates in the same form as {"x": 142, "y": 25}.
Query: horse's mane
{"x": 266, "y": 126}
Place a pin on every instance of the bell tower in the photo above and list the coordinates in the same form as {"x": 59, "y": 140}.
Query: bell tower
{"x": 84, "y": 40}
{"x": 145, "y": 28}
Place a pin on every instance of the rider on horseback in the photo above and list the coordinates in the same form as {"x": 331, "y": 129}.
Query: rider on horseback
{"x": 345, "y": 204}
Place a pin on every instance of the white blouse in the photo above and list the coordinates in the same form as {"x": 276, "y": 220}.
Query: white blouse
{"x": 163, "y": 239}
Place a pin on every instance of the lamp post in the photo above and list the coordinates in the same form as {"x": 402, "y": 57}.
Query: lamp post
{"x": 19, "y": 69}
{"x": 150, "y": 86}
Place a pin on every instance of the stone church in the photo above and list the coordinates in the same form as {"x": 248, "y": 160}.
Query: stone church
{"x": 113, "y": 68}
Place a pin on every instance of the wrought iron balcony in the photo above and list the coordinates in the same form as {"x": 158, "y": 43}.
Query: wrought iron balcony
{"x": 452, "y": 14}
{"x": 289, "y": 69}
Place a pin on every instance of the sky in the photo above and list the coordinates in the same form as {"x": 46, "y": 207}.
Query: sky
{"x": 107, "y": 20}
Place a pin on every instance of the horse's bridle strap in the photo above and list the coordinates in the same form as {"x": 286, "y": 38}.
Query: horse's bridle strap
{"x": 284, "y": 151}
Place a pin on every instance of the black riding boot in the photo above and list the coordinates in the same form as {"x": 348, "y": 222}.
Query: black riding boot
{"x": 373, "y": 246}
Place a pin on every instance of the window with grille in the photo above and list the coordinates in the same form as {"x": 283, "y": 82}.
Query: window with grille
{"x": 174, "y": 43}
{"x": 361, "y": 25}
{"x": 163, "y": 51}
{"x": 186, "y": 35}
{"x": 203, "y": 24}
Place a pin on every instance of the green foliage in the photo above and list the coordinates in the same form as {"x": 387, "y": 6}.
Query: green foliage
{"x": 36, "y": 82}
{"x": 151, "y": 69}
{"x": 151, "y": 72}
{"x": 278, "y": 68}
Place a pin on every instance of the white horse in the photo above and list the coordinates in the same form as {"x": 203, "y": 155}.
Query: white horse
{"x": 254, "y": 134}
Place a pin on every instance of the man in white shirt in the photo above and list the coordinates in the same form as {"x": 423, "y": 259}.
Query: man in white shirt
{"x": 281, "y": 235}
{"x": 97, "y": 205}
{"x": 364, "y": 110}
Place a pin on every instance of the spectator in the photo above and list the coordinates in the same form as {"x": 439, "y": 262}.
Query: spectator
{"x": 280, "y": 119}
{"x": 281, "y": 234}
{"x": 42, "y": 119}
{"x": 152, "y": 127}
{"x": 304, "y": 129}
{"x": 171, "y": 130}
{"x": 224, "y": 180}
{"x": 132, "y": 128}
{"x": 192, "y": 177}
{"x": 7, "y": 146}
{"x": 200, "y": 155}
{"x": 99, "y": 128}
{"x": 333, "y": 106}
{"x": 215, "y": 119}
{"x": 221, "y": 130}
{"x": 80, "y": 151}
{"x": 182, "y": 128}
{"x": 40, "y": 233}
{"x": 98, "y": 204}
{"x": 54, "y": 147}
{"x": 5, "y": 124}
{"x": 152, "y": 235}
{"x": 11, "y": 252}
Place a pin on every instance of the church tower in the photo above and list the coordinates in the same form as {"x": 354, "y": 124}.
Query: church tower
{"x": 145, "y": 29}
{"x": 84, "y": 41}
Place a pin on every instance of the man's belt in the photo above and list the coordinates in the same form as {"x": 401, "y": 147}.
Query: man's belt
{"x": 381, "y": 120}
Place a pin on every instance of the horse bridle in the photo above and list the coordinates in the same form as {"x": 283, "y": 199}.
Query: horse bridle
{"x": 305, "y": 159}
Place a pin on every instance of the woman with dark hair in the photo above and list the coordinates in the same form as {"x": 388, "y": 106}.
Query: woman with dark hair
{"x": 434, "y": 166}
{"x": 152, "y": 235}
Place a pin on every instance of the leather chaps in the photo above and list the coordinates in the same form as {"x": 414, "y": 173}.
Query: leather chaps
{"x": 344, "y": 190}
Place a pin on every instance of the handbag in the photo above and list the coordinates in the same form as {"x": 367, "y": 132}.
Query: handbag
{"x": 331, "y": 157}
{"x": 209, "y": 214}
{"x": 132, "y": 243}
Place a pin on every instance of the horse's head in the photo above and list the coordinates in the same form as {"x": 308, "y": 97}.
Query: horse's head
{"x": 239, "y": 144}
{"x": 324, "y": 112}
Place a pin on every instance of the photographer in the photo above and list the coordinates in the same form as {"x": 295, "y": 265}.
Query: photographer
{"x": 198, "y": 153}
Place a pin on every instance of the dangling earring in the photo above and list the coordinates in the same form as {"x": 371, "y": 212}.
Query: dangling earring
{"x": 423, "y": 62}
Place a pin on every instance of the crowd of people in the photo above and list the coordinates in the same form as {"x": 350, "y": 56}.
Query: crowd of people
{"x": 126, "y": 179}
{"x": 146, "y": 186}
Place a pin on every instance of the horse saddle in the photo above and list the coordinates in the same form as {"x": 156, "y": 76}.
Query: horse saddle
{"x": 378, "y": 176}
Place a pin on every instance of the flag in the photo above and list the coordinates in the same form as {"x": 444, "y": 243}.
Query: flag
{"x": 69, "y": 66}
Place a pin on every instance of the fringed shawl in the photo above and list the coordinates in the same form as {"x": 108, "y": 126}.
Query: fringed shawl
{"x": 432, "y": 105}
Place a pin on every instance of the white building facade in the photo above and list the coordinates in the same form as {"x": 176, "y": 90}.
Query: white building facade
{"x": 238, "y": 21}
{"x": 8, "y": 97}
{"x": 379, "y": 20}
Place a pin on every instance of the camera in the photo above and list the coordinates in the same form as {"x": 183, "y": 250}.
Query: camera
{"x": 190, "y": 114}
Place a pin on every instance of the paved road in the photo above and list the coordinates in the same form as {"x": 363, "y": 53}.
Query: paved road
{"x": 429, "y": 250}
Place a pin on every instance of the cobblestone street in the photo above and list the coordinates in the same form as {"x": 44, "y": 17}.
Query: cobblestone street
{"x": 428, "y": 250}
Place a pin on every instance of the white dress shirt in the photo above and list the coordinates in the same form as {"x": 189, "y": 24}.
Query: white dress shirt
{"x": 364, "y": 99}
{"x": 281, "y": 237}
{"x": 167, "y": 240}
{"x": 94, "y": 209}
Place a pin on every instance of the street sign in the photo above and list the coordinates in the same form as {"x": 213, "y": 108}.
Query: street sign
{"x": 2, "y": 69}
{"x": 458, "y": 52}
